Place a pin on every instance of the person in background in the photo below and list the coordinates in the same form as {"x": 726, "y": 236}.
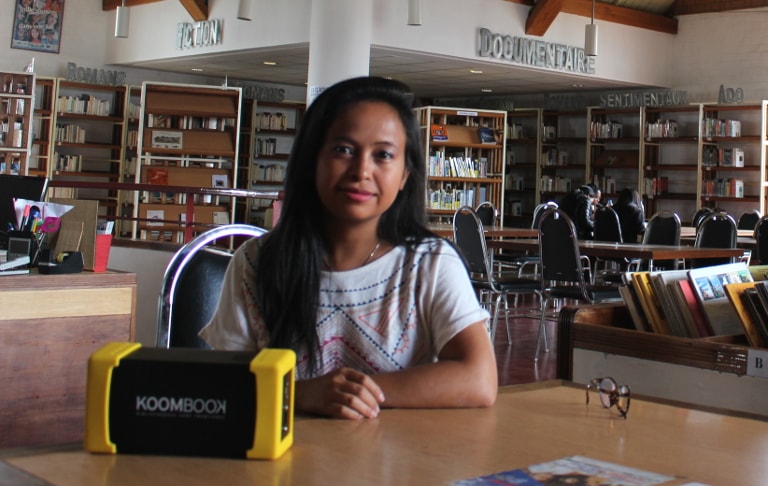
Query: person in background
{"x": 380, "y": 311}
{"x": 629, "y": 208}
{"x": 579, "y": 207}
{"x": 598, "y": 197}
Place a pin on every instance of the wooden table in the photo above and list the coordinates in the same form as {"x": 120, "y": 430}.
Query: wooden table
{"x": 49, "y": 326}
{"x": 529, "y": 424}
{"x": 446, "y": 231}
{"x": 690, "y": 232}
{"x": 604, "y": 249}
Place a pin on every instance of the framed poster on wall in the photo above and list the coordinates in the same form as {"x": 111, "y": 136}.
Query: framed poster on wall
{"x": 37, "y": 25}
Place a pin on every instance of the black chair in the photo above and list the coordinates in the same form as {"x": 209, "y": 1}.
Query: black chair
{"x": 662, "y": 229}
{"x": 608, "y": 228}
{"x": 191, "y": 286}
{"x": 528, "y": 265}
{"x": 487, "y": 213}
{"x": 718, "y": 230}
{"x": 761, "y": 241}
{"x": 469, "y": 238}
{"x": 563, "y": 270}
{"x": 748, "y": 220}
{"x": 699, "y": 216}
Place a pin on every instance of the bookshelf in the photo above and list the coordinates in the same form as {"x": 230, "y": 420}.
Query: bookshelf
{"x": 88, "y": 134}
{"x": 17, "y": 93}
{"x": 42, "y": 124}
{"x": 130, "y": 158}
{"x": 189, "y": 136}
{"x": 671, "y": 159}
{"x": 563, "y": 153}
{"x": 522, "y": 173}
{"x": 460, "y": 169}
{"x": 245, "y": 155}
{"x": 733, "y": 157}
{"x": 614, "y": 150}
{"x": 274, "y": 128}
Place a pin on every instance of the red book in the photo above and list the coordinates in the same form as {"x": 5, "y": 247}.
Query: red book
{"x": 694, "y": 308}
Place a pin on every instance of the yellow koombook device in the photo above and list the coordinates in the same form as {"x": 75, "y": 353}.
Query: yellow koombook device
{"x": 190, "y": 402}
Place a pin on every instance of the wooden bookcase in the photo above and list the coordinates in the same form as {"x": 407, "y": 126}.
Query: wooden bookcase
{"x": 88, "y": 140}
{"x": 614, "y": 150}
{"x": 733, "y": 157}
{"x": 17, "y": 92}
{"x": 188, "y": 136}
{"x": 274, "y": 130}
{"x": 671, "y": 159}
{"x": 42, "y": 127}
{"x": 563, "y": 158}
{"x": 130, "y": 159}
{"x": 523, "y": 169}
{"x": 477, "y": 171}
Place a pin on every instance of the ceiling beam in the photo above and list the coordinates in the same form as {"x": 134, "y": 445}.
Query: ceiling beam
{"x": 113, "y": 4}
{"x": 543, "y": 14}
{"x": 687, "y": 7}
{"x": 198, "y": 9}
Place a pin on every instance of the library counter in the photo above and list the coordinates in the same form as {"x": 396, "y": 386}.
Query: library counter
{"x": 529, "y": 424}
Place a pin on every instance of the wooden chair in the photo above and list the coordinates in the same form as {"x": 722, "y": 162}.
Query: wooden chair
{"x": 191, "y": 286}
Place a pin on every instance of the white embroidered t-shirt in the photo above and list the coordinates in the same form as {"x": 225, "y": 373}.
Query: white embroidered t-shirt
{"x": 395, "y": 312}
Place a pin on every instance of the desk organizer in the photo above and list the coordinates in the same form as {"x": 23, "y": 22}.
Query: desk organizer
{"x": 190, "y": 402}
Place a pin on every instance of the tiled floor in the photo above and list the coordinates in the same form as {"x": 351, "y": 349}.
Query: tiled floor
{"x": 515, "y": 358}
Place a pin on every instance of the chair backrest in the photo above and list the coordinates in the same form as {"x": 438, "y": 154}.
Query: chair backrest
{"x": 559, "y": 249}
{"x": 663, "y": 229}
{"x": 748, "y": 220}
{"x": 761, "y": 241}
{"x": 699, "y": 216}
{"x": 470, "y": 240}
{"x": 718, "y": 230}
{"x": 191, "y": 286}
{"x": 607, "y": 225}
{"x": 487, "y": 213}
{"x": 539, "y": 210}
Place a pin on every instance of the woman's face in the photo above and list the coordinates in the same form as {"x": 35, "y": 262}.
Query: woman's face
{"x": 361, "y": 164}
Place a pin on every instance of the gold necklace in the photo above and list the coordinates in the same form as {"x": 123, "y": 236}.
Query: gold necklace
{"x": 375, "y": 249}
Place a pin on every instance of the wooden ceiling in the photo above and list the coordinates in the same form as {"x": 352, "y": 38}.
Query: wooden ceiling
{"x": 658, "y": 15}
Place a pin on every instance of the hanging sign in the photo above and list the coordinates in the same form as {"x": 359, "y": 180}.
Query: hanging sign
{"x": 200, "y": 34}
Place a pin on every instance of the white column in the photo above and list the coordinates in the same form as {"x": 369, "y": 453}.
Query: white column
{"x": 339, "y": 42}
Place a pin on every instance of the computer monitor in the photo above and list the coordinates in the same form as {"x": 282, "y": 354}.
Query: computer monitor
{"x": 17, "y": 187}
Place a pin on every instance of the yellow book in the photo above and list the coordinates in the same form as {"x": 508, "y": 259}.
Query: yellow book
{"x": 735, "y": 293}
{"x": 650, "y": 303}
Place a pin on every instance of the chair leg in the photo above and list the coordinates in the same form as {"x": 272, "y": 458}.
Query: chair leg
{"x": 495, "y": 318}
{"x": 506, "y": 316}
{"x": 542, "y": 330}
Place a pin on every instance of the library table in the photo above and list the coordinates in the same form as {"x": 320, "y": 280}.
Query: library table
{"x": 604, "y": 249}
{"x": 529, "y": 424}
{"x": 446, "y": 231}
{"x": 690, "y": 232}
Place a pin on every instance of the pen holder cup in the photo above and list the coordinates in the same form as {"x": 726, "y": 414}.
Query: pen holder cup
{"x": 101, "y": 255}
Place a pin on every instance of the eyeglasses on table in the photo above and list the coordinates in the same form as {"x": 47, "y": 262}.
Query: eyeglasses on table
{"x": 611, "y": 394}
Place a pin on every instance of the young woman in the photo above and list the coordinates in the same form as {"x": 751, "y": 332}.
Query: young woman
{"x": 380, "y": 312}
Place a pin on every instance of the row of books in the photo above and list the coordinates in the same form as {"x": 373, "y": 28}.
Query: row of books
{"x": 555, "y": 184}
{"x": 720, "y": 156}
{"x": 12, "y": 106}
{"x": 269, "y": 173}
{"x": 84, "y": 105}
{"x": 608, "y": 129}
{"x": 661, "y": 129}
{"x": 441, "y": 166}
{"x": 654, "y": 186}
{"x": 271, "y": 121}
{"x": 452, "y": 199}
{"x": 68, "y": 163}
{"x": 697, "y": 303}
{"x": 266, "y": 146}
{"x": 554, "y": 157}
{"x": 715, "y": 127}
{"x": 728, "y": 187}
{"x": 186, "y": 122}
{"x": 69, "y": 133}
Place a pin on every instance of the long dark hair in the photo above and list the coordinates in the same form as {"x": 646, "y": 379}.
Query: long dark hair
{"x": 291, "y": 256}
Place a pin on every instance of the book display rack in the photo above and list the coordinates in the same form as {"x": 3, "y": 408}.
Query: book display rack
{"x": 16, "y": 106}
{"x": 461, "y": 168}
{"x": 188, "y": 136}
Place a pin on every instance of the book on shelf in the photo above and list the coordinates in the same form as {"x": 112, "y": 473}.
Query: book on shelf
{"x": 649, "y": 302}
{"x": 757, "y": 307}
{"x": 741, "y": 305}
{"x": 632, "y": 302}
{"x": 438, "y": 132}
{"x": 661, "y": 282}
{"x": 708, "y": 284}
{"x": 486, "y": 135}
{"x": 689, "y": 309}
{"x": 157, "y": 175}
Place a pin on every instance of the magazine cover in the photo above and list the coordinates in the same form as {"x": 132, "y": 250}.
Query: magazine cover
{"x": 570, "y": 470}
{"x": 708, "y": 283}
{"x": 37, "y": 25}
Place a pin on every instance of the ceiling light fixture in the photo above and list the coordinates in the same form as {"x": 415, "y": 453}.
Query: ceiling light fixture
{"x": 414, "y": 12}
{"x": 476, "y": 71}
{"x": 197, "y": 70}
{"x": 244, "y": 10}
{"x": 486, "y": 90}
{"x": 270, "y": 63}
{"x": 590, "y": 35}
{"x": 122, "y": 19}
